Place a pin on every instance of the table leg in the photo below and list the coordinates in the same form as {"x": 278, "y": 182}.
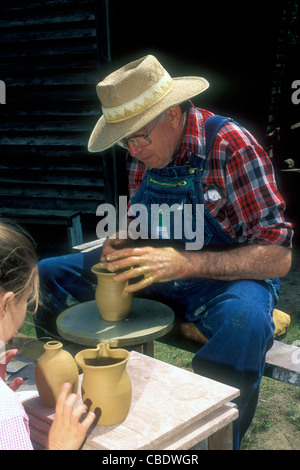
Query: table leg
{"x": 222, "y": 439}
{"x": 145, "y": 348}
{"x": 148, "y": 349}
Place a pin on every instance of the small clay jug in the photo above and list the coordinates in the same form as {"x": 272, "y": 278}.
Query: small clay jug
{"x": 106, "y": 386}
{"x": 113, "y": 302}
{"x": 54, "y": 368}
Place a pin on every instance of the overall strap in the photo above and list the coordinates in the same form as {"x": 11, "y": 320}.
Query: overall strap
{"x": 212, "y": 127}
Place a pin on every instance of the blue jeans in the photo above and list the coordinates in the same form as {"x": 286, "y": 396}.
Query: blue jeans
{"x": 235, "y": 316}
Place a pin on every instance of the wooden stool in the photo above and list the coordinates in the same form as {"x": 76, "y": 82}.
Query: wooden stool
{"x": 282, "y": 360}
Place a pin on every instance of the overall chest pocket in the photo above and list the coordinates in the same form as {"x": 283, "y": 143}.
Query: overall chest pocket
{"x": 178, "y": 190}
{"x": 171, "y": 206}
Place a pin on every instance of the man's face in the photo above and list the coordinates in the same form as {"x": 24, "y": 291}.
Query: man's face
{"x": 165, "y": 139}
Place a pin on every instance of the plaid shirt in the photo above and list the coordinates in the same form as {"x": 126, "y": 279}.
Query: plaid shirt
{"x": 14, "y": 426}
{"x": 238, "y": 181}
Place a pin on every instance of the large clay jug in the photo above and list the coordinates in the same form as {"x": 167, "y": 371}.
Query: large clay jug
{"x": 106, "y": 386}
{"x": 54, "y": 368}
{"x": 113, "y": 302}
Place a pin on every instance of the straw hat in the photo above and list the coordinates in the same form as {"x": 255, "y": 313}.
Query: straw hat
{"x": 136, "y": 94}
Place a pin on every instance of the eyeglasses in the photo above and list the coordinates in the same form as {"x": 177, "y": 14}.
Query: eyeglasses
{"x": 142, "y": 140}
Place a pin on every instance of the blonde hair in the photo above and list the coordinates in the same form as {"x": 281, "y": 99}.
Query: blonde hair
{"x": 18, "y": 261}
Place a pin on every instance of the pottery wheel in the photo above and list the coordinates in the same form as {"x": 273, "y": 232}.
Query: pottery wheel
{"x": 147, "y": 320}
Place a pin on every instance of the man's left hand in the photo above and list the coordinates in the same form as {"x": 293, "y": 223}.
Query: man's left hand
{"x": 155, "y": 264}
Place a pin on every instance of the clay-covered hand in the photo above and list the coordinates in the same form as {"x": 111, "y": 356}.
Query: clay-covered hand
{"x": 116, "y": 242}
{"x": 68, "y": 431}
{"x": 5, "y": 357}
{"x": 155, "y": 264}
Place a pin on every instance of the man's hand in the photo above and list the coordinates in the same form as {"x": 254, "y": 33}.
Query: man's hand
{"x": 155, "y": 264}
{"x": 224, "y": 264}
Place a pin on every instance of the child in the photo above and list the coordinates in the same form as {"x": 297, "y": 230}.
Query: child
{"x": 18, "y": 285}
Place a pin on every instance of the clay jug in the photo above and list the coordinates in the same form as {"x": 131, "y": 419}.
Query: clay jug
{"x": 106, "y": 386}
{"x": 54, "y": 368}
{"x": 113, "y": 302}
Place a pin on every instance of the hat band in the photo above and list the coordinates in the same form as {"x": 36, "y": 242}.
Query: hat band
{"x": 140, "y": 103}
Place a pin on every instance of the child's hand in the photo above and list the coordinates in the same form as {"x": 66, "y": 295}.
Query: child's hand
{"x": 67, "y": 432}
{"x": 5, "y": 357}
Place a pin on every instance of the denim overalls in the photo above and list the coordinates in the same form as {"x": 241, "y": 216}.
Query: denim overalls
{"x": 180, "y": 185}
{"x": 236, "y": 316}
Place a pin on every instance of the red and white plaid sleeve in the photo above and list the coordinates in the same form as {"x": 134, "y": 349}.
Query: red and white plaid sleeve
{"x": 14, "y": 434}
{"x": 254, "y": 209}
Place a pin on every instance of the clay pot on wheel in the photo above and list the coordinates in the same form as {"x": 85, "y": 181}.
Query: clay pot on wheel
{"x": 54, "y": 368}
{"x": 106, "y": 386}
{"x": 113, "y": 302}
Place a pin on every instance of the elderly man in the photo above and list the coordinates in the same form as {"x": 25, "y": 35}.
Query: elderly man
{"x": 216, "y": 172}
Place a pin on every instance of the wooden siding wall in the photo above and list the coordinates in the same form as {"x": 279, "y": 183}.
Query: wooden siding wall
{"x": 50, "y": 65}
{"x": 283, "y": 117}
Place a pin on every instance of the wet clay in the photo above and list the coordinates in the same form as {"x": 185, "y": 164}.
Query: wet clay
{"x": 106, "y": 386}
{"x": 113, "y": 302}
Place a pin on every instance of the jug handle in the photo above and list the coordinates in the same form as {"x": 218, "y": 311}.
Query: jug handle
{"x": 103, "y": 350}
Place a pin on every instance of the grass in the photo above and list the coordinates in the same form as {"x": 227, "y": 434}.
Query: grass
{"x": 278, "y": 410}
{"x": 279, "y": 403}
{"x": 27, "y": 328}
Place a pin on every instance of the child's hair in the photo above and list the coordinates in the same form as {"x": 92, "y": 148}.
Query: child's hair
{"x": 18, "y": 261}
